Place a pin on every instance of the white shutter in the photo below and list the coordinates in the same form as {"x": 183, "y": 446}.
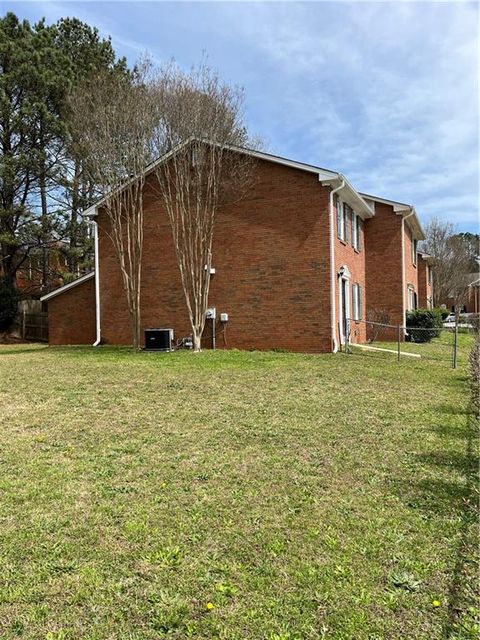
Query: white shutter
{"x": 339, "y": 218}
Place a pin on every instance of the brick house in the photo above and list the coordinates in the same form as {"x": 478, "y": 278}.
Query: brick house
{"x": 294, "y": 259}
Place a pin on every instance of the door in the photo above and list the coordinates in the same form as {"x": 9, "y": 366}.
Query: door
{"x": 344, "y": 308}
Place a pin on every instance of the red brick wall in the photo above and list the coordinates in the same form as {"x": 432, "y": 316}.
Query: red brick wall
{"x": 424, "y": 286}
{"x": 346, "y": 255}
{"x": 271, "y": 258}
{"x": 71, "y": 315}
{"x": 383, "y": 262}
{"x": 411, "y": 270}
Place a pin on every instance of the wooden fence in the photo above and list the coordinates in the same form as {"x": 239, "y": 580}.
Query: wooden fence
{"x": 31, "y": 326}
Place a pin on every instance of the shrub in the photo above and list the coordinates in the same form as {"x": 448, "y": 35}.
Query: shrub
{"x": 474, "y": 322}
{"x": 8, "y": 303}
{"x": 428, "y": 323}
{"x": 443, "y": 312}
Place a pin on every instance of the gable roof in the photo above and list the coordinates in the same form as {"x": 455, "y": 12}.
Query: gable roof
{"x": 67, "y": 286}
{"x": 358, "y": 200}
{"x": 401, "y": 209}
{"x": 324, "y": 175}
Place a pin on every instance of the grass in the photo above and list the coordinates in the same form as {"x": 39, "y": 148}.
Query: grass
{"x": 234, "y": 495}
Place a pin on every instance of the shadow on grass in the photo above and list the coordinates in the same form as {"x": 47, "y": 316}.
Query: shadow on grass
{"x": 453, "y": 498}
{"x": 21, "y": 350}
{"x": 463, "y": 590}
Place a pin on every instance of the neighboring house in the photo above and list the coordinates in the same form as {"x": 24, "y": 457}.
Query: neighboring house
{"x": 425, "y": 281}
{"x": 34, "y": 278}
{"x": 299, "y": 255}
{"x": 472, "y": 299}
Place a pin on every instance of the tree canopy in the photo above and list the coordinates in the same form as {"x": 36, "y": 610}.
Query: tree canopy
{"x": 43, "y": 181}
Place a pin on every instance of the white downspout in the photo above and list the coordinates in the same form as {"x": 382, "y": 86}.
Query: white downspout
{"x": 333, "y": 311}
{"x": 97, "y": 289}
{"x": 404, "y": 287}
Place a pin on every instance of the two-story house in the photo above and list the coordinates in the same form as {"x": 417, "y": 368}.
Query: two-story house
{"x": 298, "y": 256}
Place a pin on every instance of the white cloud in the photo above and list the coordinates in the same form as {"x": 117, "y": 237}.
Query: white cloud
{"x": 384, "y": 92}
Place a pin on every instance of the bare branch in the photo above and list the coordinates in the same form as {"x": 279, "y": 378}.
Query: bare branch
{"x": 199, "y": 117}
{"x": 113, "y": 119}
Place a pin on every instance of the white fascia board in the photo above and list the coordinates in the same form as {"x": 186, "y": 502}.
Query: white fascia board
{"x": 349, "y": 194}
{"x": 66, "y": 287}
{"x": 402, "y": 209}
{"x": 414, "y": 224}
{"x": 260, "y": 155}
{"x": 91, "y": 212}
{"x": 368, "y": 196}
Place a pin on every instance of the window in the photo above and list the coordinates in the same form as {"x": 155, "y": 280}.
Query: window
{"x": 356, "y": 231}
{"x": 347, "y": 221}
{"x": 412, "y": 298}
{"x": 344, "y": 214}
{"x": 340, "y": 220}
{"x": 414, "y": 251}
{"x": 357, "y": 303}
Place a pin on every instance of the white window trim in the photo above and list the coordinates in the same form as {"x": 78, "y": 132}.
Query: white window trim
{"x": 414, "y": 252}
{"x": 340, "y": 220}
{"x": 343, "y": 274}
{"x": 356, "y": 306}
{"x": 355, "y": 231}
{"x": 410, "y": 298}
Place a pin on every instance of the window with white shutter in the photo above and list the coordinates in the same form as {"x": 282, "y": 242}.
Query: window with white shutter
{"x": 356, "y": 231}
{"x": 357, "y": 303}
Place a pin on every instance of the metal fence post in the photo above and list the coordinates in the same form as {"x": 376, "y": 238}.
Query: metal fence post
{"x": 398, "y": 342}
{"x": 455, "y": 345}
{"x": 24, "y": 322}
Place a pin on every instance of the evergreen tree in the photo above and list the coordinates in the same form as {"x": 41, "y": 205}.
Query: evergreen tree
{"x": 88, "y": 55}
{"x": 43, "y": 182}
{"x": 17, "y": 143}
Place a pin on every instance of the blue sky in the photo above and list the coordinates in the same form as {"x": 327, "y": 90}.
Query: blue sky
{"x": 385, "y": 92}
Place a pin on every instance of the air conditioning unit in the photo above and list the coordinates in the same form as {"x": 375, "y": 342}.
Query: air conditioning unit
{"x": 158, "y": 339}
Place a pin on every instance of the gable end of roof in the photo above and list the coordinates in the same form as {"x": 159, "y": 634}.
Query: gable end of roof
{"x": 67, "y": 287}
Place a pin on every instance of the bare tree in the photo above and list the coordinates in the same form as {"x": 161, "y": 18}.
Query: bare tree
{"x": 451, "y": 255}
{"x": 200, "y": 129}
{"x": 113, "y": 118}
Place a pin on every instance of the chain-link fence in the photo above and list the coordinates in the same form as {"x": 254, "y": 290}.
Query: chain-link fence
{"x": 375, "y": 339}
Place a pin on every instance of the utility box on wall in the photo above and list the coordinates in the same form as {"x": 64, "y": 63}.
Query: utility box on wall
{"x": 158, "y": 339}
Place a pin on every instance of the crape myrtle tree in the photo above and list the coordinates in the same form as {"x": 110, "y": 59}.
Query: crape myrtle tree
{"x": 452, "y": 262}
{"x": 113, "y": 119}
{"x": 199, "y": 123}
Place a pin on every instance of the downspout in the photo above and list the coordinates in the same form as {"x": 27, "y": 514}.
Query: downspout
{"x": 333, "y": 311}
{"x": 97, "y": 289}
{"x": 404, "y": 288}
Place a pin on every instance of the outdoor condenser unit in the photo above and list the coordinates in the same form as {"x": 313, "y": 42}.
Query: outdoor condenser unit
{"x": 158, "y": 339}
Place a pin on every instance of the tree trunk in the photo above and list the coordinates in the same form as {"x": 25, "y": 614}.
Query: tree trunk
{"x": 44, "y": 208}
{"x": 197, "y": 340}
{"x": 73, "y": 235}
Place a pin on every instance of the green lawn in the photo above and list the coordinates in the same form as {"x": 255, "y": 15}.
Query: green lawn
{"x": 234, "y": 495}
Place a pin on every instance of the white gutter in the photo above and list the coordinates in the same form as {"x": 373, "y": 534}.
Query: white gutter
{"x": 333, "y": 310}
{"x": 97, "y": 289}
{"x": 404, "y": 288}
